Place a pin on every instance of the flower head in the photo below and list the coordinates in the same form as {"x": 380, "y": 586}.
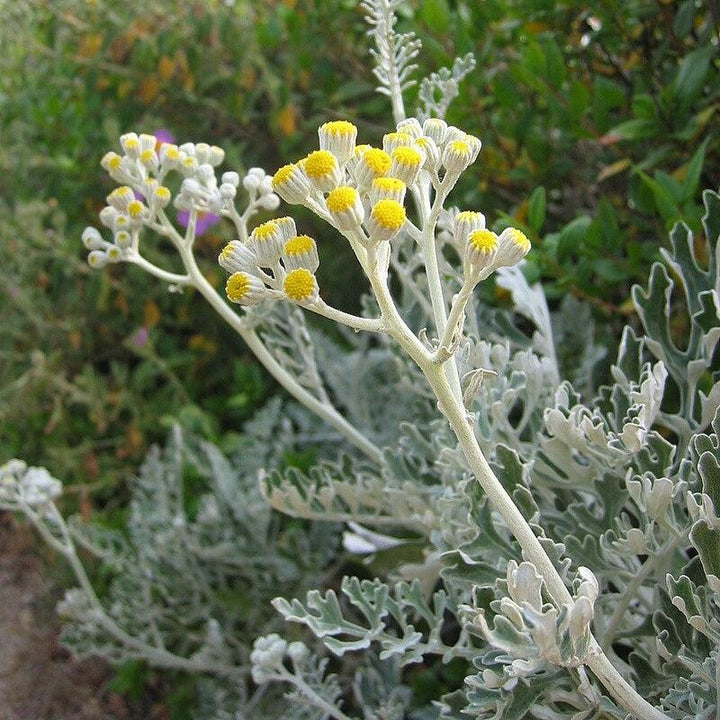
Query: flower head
{"x": 300, "y": 285}
{"x": 482, "y": 247}
{"x": 323, "y": 170}
{"x": 266, "y": 242}
{"x": 291, "y": 183}
{"x": 300, "y": 252}
{"x": 407, "y": 161}
{"x": 394, "y": 140}
{"x": 237, "y": 257}
{"x": 513, "y": 246}
{"x": 373, "y": 163}
{"x": 467, "y": 222}
{"x": 245, "y": 289}
{"x": 386, "y": 219}
{"x": 387, "y": 188}
{"x": 345, "y": 207}
{"x": 339, "y": 138}
{"x": 457, "y": 156}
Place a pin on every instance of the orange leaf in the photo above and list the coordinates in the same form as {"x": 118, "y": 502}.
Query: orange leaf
{"x": 90, "y": 46}
{"x": 286, "y": 120}
{"x": 148, "y": 89}
{"x": 151, "y": 314}
{"x": 614, "y": 168}
{"x": 166, "y": 67}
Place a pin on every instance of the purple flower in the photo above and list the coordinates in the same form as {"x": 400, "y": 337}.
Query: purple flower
{"x": 140, "y": 337}
{"x": 164, "y": 136}
{"x": 205, "y": 220}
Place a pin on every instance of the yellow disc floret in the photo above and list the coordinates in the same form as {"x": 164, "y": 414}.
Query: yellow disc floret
{"x": 135, "y": 208}
{"x": 238, "y": 286}
{"x": 520, "y": 239}
{"x": 266, "y": 231}
{"x": 339, "y": 127}
{"x": 389, "y": 184}
{"x": 378, "y": 161}
{"x": 389, "y": 214}
{"x": 407, "y": 156}
{"x": 460, "y": 147}
{"x": 483, "y": 240}
{"x": 341, "y": 199}
{"x": 299, "y": 245}
{"x": 283, "y": 175}
{"x": 320, "y": 163}
{"x": 300, "y": 285}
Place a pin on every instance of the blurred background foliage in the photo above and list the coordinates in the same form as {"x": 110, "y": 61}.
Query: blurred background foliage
{"x": 599, "y": 124}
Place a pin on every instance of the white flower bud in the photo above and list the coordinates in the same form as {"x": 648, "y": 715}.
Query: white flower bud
{"x": 251, "y": 183}
{"x": 231, "y": 178}
{"x": 265, "y": 187}
{"x": 97, "y": 259}
{"x": 411, "y": 126}
{"x": 92, "y": 239}
{"x": 436, "y": 129}
{"x": 216, "y": 155}
{"x": 227, "y": 191}
{"x": 291, "y": 184}
{"x": 270, "y": 202}
{"x": 237, "y": 257}
{"x": 108, "y": 215}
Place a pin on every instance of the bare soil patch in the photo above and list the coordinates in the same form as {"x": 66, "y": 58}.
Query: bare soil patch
{"x": 39, "y": 680}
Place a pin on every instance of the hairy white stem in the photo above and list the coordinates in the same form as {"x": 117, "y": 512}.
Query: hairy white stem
{"x": 323, "y": 409}
{"x": 454, "y": 322}
{"x": 158, "y": 272}
{"x": 429, "y": 217}
{"x": 453, "y": 409}
{"x": 352, "y": 321}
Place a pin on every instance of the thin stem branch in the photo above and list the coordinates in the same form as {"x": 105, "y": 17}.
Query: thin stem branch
{"x": 155, "y": 655}
{"x": 352, "y": 321}
{"x": 631, "y": 590}
{"x": 453, "y": 409}
{"x": 323, "y": 409}
{"x": 158, "y": 272}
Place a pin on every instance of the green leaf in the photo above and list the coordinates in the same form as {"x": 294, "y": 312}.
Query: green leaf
{"x": 610, "y": 270}
{"x": 572, "y": 236}
{"x": 691, "y": 75}
{"x": 555, "y": 70}
{"x": 536, "y": 209}
{"x": 707, "y": 541}
{"x": 664, "y": 201}
{"x": 684, "y": 19}
{"x": 436, "y": 14}
{"x": 693, "y": 171}
{"x": 636, "y": 129}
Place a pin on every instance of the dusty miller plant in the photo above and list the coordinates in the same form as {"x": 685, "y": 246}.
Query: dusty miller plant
{"x": 563, "y": 547}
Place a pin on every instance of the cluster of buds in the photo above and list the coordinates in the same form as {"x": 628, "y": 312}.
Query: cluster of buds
{"x": 23, "y": 485}
{"x": 268, "y": 657}
{"x": 142, "y": 169}
{"x": 361, "y": 186}
{"x": 484, "y": 251}
{"x": 275, "y": 262}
